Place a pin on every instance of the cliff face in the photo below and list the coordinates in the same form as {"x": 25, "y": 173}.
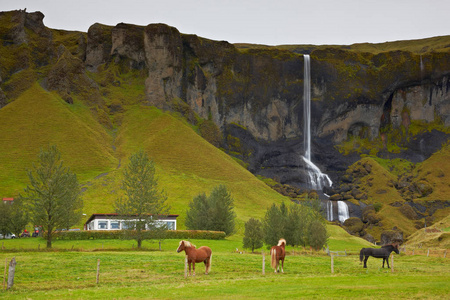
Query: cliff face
{"x": 254, "y": 95}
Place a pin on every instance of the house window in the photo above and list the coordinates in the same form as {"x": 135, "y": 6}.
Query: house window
{"x": 115, "y": 225}
{"x": 171, "y": 225}
{"x": 102, "y": 224}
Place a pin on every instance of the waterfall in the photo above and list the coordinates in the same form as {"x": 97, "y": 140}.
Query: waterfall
{"x": 342, "y": 211}
{"x": 317, "y": 180}
{"x": 330, "y": 210}
{"x": 422, "y": 68}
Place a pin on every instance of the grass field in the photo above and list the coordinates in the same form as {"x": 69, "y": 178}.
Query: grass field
{"x": 129, "y": 274}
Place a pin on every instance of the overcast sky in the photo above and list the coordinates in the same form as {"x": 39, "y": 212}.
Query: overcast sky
{"x": 269, "y": 22}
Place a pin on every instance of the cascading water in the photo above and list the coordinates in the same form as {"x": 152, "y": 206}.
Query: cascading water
{"x": 330, "y": 210}
{"x": 342, "y": 211}
{"x": 317, "y": 180}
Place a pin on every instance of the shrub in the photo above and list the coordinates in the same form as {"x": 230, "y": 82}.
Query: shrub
{"x": 149, "y": 234}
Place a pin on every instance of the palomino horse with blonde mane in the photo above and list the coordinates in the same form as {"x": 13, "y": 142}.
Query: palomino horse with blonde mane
{"x": 278, "y": 253}
{"x": 202, "y": 254}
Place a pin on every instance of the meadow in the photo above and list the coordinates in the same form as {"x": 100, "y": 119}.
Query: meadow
{"x": 68, "y": 271}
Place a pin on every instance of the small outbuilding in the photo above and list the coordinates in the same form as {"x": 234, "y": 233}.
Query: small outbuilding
{"x": 8, "y": 200}
{"x": 114, "y": 221}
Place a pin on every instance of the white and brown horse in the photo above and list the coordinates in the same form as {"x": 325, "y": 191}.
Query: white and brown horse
{"x": 202, "y": 254}
{"x": 278, "y": 253}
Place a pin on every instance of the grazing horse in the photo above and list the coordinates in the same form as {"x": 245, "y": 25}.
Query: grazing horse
{"x": 384, "y": 252}
{"x": 202, "y": 254}
{"x": 278, "y": 253}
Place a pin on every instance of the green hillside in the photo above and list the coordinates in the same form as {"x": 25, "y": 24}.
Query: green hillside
{"x": 39, "y": 118}
{"x": 186, "y": 164}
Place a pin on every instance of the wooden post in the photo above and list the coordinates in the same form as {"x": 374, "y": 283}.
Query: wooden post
{"x": 263, "y": 263}
{"x": 98, "y": 270}
{"x": 413, "y": 252}
{"x": 445, "y": 253}
{"x": 332, "y": 263}
{"x": 428, "y": 253}
{"x": 392, "y": 263}
{"x": 11, "y": 271}
{"x": 4, "y": 276}
{"x": 185, "y": 266}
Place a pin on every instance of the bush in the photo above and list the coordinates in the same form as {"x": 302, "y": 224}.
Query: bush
{"x": 149, "y": 234}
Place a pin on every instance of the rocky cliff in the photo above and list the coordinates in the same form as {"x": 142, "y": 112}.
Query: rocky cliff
{"x": 252, "y": 94}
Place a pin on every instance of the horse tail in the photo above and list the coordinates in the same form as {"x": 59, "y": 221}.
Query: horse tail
{"x": 209, "y": 264}
{"x": 273, "y": 254}
{"x": 361, "y": 255}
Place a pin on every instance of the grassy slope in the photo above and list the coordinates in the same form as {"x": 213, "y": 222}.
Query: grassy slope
{"x": 39, "y": 118}
{"x": 435, "y": 236}
{"x": 186, "y": 164}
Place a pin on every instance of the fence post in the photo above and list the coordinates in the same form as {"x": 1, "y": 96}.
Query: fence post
{"x": 11, "y": 271}
{"x": 445, "y": 253}
{"x": 4, "y": 276}
{"x": 263, "y": 263}
{"x": 98, "y": 270}
{"x": 392, "y": 263}
{"x": 332, "y": 263}
{"x": 185, "y": 266}
{"x": 428, "y": 253}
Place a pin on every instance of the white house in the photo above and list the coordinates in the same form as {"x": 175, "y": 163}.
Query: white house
{"x": 116, "y": 222}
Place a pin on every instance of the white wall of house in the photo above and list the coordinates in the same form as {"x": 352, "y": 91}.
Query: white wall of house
{"x": 115, "y": 224}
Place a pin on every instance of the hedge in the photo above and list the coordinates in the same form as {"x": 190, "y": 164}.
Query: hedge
{"x": 148, "y": 235}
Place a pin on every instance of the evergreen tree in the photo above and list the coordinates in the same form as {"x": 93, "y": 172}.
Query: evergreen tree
{"x": 5, "y": 218}
{"x": 215, "y": 212}
{"x": 253, "y": 235}
{"x": 53, "y": 194}
{"x": 273, "y": 226}
{"x": 199, "y": 215}
{"x": 143, "y": 203}
{"x": 223, "y": 215}
{"x": 19, "y": 216}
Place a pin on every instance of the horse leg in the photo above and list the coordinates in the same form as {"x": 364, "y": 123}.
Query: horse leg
{"x": 387, "y": 262}
{"x": 206, "y": 266}
{"x": 282, "y": 265}
{"x": 365, "y": 261}
{"x": 193, "y": 267}
{"x": 189, "y": 262}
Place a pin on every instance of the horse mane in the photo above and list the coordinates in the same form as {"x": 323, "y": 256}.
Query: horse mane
{"x": 187, "y": 244}
{"x": 281, "y": 241}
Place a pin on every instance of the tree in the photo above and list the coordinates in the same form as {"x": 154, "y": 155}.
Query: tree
{"x": 53, "y": 195}
{"x": 199, "y": 215}
{"x": 253, "y": 235}
{"x": 273, "y": 226}
{"x": 318, "y": 235}
{"x": 215, "y": 212}
{"x": 5, "y": 218}
{"x": 222, "y": 205}
{"x": 19, "y": 216}
{"x": 143, "y": 203}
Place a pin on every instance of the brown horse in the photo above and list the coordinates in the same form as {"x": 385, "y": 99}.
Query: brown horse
{"x": 202, "y": 254}
{"x": 278, "y": 253}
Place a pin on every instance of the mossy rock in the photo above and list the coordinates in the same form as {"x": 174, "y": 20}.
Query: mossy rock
{"x": 408, "y": 212}
{"x": 354, "y": 225}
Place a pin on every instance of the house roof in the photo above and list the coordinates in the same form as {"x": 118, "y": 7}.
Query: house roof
{"x": 93, "y": 216}
{"x": 8, "y": 199}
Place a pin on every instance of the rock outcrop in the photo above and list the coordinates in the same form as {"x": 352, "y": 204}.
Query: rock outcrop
{"x": 254, "y": 95}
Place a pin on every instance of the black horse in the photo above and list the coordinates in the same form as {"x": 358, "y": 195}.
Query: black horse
{"x": 384, "y": 252}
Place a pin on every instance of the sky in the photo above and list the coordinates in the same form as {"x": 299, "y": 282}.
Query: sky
{"x": 267, "y": 22}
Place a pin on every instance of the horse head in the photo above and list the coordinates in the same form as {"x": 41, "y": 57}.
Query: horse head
{"x": 396, "y": 249}
{"x": 281, "y": 242}
{"x": 183, "y": 245}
